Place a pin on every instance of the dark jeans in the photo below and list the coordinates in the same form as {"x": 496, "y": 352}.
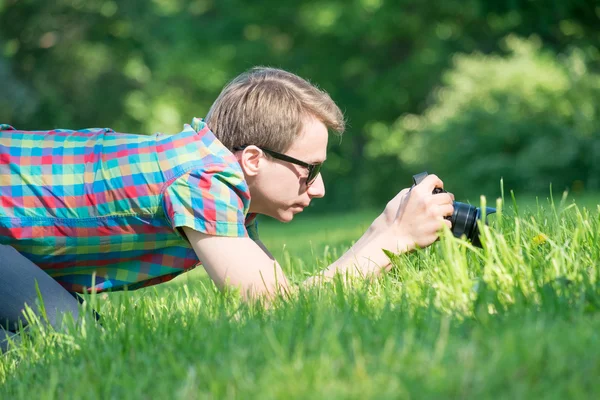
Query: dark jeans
{"x": 18, "y": 277}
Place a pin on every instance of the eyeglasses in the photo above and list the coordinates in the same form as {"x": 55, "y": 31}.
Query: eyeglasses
{"x": 313, "y": 169}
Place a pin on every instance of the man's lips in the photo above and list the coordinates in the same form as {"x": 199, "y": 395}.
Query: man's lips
{"x": 301, "y": 206}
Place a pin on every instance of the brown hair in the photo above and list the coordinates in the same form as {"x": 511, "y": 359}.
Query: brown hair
{"x": 266, "y": 107}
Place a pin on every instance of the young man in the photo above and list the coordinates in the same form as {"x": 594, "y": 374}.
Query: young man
{"x": 98, "y": 210}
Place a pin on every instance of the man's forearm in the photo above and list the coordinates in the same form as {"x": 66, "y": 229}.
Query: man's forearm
{"x": 366, "y": 257}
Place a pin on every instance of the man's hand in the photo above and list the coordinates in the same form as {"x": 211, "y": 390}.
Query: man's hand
{"x": 389, "y": 214}
{"x": 416, "y": 216}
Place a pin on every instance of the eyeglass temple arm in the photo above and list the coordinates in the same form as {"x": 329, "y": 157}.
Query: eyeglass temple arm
{"x": 279, "y": 156}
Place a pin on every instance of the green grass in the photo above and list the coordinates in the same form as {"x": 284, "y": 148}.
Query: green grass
{"x": 518, "y": 319}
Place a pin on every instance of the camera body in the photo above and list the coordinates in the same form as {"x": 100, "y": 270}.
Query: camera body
{"x": 465, "y": 216}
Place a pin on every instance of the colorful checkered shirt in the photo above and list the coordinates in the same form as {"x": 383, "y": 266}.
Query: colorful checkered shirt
{"x": 99, "y": 209}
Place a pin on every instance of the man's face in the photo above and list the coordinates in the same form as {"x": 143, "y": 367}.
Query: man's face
{"x": 279, "y": 188}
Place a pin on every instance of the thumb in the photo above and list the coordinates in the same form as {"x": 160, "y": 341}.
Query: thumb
{"x": 402, "y": 202}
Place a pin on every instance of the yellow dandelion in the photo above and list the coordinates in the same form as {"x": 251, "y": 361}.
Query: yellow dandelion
{"x": 540, "y": 239}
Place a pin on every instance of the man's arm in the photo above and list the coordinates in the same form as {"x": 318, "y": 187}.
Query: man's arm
{"x": 238, "y": 262}
{"x": 409, "y": 220}
{"x": 249, "y": 266}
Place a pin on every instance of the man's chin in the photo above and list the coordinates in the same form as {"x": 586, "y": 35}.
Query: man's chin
{"x": 286, "y": 216}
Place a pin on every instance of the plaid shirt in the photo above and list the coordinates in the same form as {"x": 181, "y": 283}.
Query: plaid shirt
{"x": 96, "y": 208}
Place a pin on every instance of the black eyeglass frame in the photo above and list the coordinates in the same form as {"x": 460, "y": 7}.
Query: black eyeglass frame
{"x": 313, "y": 169}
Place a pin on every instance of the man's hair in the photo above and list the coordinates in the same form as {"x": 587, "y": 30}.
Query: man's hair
{"x": 266, "y": 107}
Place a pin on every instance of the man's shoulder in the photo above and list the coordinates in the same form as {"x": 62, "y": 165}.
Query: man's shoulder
{"x": 212, "y": 151}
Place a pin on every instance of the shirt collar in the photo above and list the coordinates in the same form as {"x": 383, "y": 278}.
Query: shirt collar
{"x": 198, "y": 124}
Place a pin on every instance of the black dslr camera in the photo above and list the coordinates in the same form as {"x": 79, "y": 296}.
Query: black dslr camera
{"x": 464, "y": 218}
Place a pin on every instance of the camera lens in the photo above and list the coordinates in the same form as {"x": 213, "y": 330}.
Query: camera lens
{"x": 464, "y": 221}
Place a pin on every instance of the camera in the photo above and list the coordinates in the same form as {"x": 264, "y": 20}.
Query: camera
{"x": 465, "y": 216}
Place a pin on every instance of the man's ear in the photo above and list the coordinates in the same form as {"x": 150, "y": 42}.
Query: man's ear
{"x": 250, "y": 160}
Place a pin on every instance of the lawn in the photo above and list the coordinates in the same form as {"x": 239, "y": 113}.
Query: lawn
{"x": 517, "y": 319}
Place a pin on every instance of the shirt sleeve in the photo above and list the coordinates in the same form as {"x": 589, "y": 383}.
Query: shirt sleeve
{"x": 211, "y": 200}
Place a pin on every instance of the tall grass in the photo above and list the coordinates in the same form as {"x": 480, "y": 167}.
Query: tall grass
{"x": 518, "y": 318}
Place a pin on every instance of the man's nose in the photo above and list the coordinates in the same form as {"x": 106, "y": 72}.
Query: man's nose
{"x": 317, "y": 189}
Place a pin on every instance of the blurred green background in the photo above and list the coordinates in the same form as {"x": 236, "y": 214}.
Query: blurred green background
{"x": 472, "y": 90}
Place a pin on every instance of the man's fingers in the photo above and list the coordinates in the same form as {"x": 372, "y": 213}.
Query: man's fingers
{"x": 443, "y": 198}
{"x": 446, "y": 210}
{"x": 430, "y": 182}
{"x": 440, "y": 224}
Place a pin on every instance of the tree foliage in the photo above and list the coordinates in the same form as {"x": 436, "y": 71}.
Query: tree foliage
{"x": 529, "y": 117}
{"x": 151, "y": 66}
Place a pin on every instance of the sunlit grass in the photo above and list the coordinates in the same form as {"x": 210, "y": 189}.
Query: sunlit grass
{"x": 517, "y": 319}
